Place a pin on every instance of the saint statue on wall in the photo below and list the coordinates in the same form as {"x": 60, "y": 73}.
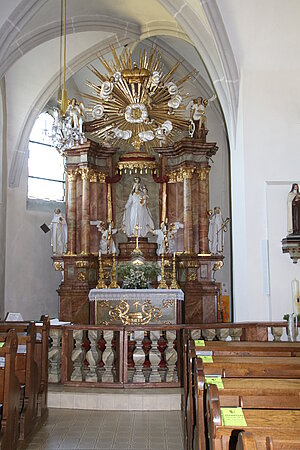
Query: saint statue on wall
{"x": 59, "y": 233}
{"x": 291, "y": 195}
{"x": 137, "y": 211}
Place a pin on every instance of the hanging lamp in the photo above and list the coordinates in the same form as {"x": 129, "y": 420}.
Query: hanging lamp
{"x": 67, "y": 130}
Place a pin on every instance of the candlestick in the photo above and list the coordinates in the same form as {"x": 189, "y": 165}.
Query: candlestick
{"x": 162, "y": 284}
{"x": 114, "y": 284}
{"x": 101, "y": 283}
{"x": 174, "y": 284}
{"x": 295, "y": 295}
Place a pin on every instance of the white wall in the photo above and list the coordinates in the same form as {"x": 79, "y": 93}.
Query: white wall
{"x": 265, "y": 38}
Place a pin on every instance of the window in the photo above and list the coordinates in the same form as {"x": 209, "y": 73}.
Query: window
{"x": 45, "y": 165}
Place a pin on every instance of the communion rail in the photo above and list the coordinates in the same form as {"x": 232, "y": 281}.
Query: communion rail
{"x": 139, "y": 356}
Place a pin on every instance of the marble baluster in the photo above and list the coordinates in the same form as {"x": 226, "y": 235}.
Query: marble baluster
{"x": 187, "y": 174}
{"x": 235, "y": 333}
{"x": 92, "y": 356}
{"x": 171, "y": 357}
{"x": 138, "y": 358}
{"x": 203, "y": 176}
{"x": 71, "y": 211}
{"x": 196, "y": 334}
{"x": 108, "y": 357}
{"x": 85, "y": 207}
{"x": 78, "y": 356}
{"x": 222, "y": 334}
{"x": 54, "y": 356}
{"x": 209, "y": 334}
{"x": 154, "y": 357}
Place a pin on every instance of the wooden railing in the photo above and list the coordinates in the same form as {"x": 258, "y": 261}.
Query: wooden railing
{"x": 139, "y": 356}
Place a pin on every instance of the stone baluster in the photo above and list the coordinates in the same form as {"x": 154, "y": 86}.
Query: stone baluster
{"x": 203, "y": 176}
{"x": 92, "y": 356}
{"x": 108, "y": 357}
{"x": 277, "y": 333}
{"x": 85, "y": 207}
{"x": 222, "y": 334}
{"x": 171, "y": 356}
{"x": 78, "y": 356}
{"x": 54, "y": 356}
{"x": 235, "y": 334}
{"x": 209, "y": 334}
{"x": 138, "y": 357}
{"x": 71, "y": 211}
{"x": 154, "y": 357}
{"x": 196, "y": 334}
{"x": 187, "y": 174}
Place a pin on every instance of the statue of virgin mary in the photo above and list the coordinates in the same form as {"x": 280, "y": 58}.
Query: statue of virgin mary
{"x": 137, "y": 212}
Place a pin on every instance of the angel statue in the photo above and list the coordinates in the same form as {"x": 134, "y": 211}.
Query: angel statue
{"x": 166, "y": 237}
{"x": 107, "y": 244}
{"x": 197, "y": 113}
{"x": 173, "y": 229}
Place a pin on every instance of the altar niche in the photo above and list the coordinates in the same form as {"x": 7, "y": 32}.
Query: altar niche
{"x": 177, "y": 193}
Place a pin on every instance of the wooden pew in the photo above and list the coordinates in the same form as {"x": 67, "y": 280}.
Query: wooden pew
{"x": 244, "y": 348}
{"x": 281, "y": 424}
{"x": 40, "y": 357}
{"x": 263, "y": 393}
{"x": 26, "y": 370}
{"x": 9, "y": 394}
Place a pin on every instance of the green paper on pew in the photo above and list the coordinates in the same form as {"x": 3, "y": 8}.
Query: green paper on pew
{"x": 199, "y": 343}
{"x": 233, "y": 417}
{"x": 206, "y": 359}
{"x": 2, "y": 344}
{"x": 215, "y": 380}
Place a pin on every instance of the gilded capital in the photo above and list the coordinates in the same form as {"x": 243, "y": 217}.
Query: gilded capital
{"x": 203, "y": 173}
{"x": 172, "y": 176}
{"x": 187, "y": 173}
{"x": 85, "y": 173}
{"x": 102, "y": 177}
{"x": 72, "y": 175}
{"x": 93, "y": 176}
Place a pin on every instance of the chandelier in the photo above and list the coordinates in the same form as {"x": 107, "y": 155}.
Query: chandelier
{"x": 67, "y": 129}
{"x": 135, "y": 101}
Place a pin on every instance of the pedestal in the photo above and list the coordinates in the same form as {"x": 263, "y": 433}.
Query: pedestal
{"x": 148, "y": 249}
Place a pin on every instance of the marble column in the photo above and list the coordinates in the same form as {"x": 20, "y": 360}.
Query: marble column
{"x": 203, "y": 176}
{"x": 94, "y": 239}
{"x": 71, "y": 211}
{"x": 85, "y": 207}
{"x": 187, "y": 174}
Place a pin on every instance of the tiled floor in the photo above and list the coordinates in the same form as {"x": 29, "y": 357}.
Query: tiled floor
{"x": 82, "y": 429}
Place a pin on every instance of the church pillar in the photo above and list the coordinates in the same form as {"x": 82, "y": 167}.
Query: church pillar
{"x": 203, "y": 175}
{"x": 85, "y": 207}
{"x": 71, "y": 211}
{"x": 187, "y": 174}
{"x": 94, "y": 239}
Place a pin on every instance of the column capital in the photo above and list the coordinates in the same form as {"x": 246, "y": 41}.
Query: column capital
{"x": 93, "y": 176}
{"x": 85, "y": 173}
{"x": 187, "y": 173}
{"x": 72, "y": 175}
{"x": 102, "y": 177}
{"x": 203, "y": 173}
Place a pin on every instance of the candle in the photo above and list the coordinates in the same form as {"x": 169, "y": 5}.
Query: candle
{"x": 295, "y": 293}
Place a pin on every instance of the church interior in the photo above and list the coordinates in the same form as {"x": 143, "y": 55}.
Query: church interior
{"x": 149, "y": 224}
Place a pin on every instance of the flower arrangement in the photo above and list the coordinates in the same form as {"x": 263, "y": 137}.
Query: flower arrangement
{"x": 137, "y": 277}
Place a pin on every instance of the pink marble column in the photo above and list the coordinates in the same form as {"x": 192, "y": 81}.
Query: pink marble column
{"x": 85, "y": 208}
{"x": 187, "y": 174}
{"x": 203, "y": 176}
{"x": 71, "y": 211}
{"x": 94, "y": 239}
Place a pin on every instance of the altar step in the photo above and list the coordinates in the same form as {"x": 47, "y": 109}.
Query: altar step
{"x": 168, "y": 399}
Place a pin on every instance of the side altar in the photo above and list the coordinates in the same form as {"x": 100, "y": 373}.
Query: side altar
{"x": 139, "y": 196}
{"x": 135, "y": 306}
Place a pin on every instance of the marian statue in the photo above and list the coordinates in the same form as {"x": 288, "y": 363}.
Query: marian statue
{"x": 137, "y": 212}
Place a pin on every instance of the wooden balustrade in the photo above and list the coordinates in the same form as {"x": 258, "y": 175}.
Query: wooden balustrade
{"x": 139, "y": 356}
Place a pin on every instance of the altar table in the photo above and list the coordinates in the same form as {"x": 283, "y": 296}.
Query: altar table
{"x": 135, "y": 306}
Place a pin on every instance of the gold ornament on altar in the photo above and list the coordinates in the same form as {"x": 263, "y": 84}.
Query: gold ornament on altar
{"x": 137, "y": 103}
